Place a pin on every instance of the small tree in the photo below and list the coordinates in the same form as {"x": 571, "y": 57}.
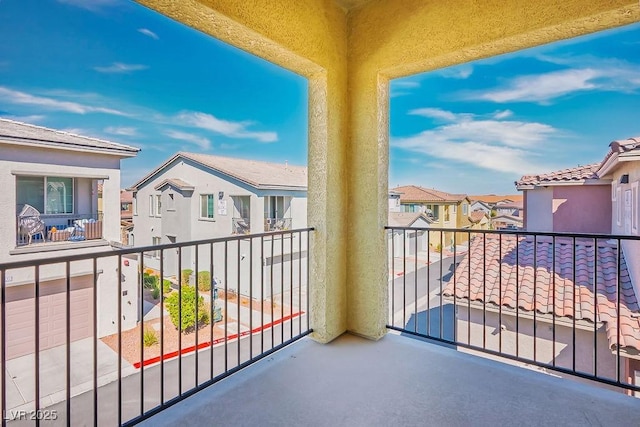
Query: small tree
{"x": 188, "y": 310}
{"x": 166, "y": 286}
{"x": 204, "y": 281}
{"x": 149, "y": 281}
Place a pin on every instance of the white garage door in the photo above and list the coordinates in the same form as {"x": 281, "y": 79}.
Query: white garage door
{"x": 20, "y": 316}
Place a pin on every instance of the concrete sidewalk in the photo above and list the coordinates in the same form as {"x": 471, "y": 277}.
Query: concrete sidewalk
{"x": 20, "y": 373}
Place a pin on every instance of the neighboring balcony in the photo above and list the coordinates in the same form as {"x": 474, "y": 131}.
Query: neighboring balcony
{"x": 240, "y": 226}
{"x": 43, "y": 229}
{"x": 277, "y": 224}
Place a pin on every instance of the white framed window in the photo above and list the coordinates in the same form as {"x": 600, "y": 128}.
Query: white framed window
{"x": 134, "y": 202}
{"x": 158, "y": 204}
{"x": 207, "y": 206}
{"x": 619, "y": 206}
{"x": 465, "y": 209}
{"x": 156, "y": 241}
{"x": 635, "y": 205}
{"x": 48, "y": 194}
{"x": 151, "y": 206}
{"x": 455, "y": 209}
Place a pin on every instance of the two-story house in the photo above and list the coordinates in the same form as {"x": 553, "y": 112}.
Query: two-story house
{"x": 50, "y": 203}
{"x": 446, "y": 210}
{"x": 588, "y": 283}
{"x": 197, "y": 196}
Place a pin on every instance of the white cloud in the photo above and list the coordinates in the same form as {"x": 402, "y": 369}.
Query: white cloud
{"x": 17, "y": 97}
{"x": 434, "y": 113}
{"x": 501, "y": 145}
{"x": 200, "y": 141}
{"x": 405, "y": 84}
{"x": 92, "y": 5}
{"x": 121, "y": 130}
{"x": 119, "y": 67}
{"x": 147, "y": 32}
{"x": 502, "y": 114}
{"x": 33, "y": 118}
{"x": 224, "y": 127}
{"x": 461, "y": 72}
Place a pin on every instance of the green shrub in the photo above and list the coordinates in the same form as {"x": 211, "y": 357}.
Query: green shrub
{"x": 184, "y": 276}
{"x": 204, "y": 281}
{"x": 149, "y": 338}
{"x": 155, "y": 293}
{"x": 166, "y": 286}
{"x": 149, "y": 281}
{"x": 188, "y": 309}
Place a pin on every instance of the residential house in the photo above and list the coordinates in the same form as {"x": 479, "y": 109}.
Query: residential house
{"x": 408, "y": 242}
{"x": 564, "y": 281}
{"x": 494, "y": 199}
{"x": 572, "y": 200}
{"x": 509, "y": 208}
{"x": 480, "y": 220}
{"x": 126, "y": 216}
{"x": 479, "y": 205}
{"x": 197, "y": 196}
{"x": 445, "y": 209}
{"x": 50, "y": 199}
{"x": 506, "y": 222}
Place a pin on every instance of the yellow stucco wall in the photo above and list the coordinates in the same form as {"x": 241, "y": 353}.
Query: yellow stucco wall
{"x": 349, "y": 58}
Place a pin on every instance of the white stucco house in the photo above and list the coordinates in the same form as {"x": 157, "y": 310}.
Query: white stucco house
{"x": 194, "y": 197}
{"x": 52, "y": 178}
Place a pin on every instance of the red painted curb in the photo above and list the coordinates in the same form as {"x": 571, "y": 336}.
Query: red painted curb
{"x": 214, "y": 342}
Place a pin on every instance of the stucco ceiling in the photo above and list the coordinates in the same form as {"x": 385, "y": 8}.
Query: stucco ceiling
{"x": 351, "y": 4}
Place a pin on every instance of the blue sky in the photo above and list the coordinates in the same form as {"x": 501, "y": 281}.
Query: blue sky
{"x": 478, "y": 127}
{"x": 114, "y": 70}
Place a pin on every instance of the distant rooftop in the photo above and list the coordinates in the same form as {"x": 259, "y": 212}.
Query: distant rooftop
{"x": 495, "y": 198}
{"x": 258, "y": 174}
{"x": 406, "y": 219}
{"x": 414, "y": 193}
{"x": 12, "y": 132}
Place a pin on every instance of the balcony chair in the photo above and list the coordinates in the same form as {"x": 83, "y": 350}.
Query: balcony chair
{"x": 30, "y": 223}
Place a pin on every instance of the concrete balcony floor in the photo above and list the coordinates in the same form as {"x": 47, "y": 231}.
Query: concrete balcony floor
{"x": 396, "y": 381}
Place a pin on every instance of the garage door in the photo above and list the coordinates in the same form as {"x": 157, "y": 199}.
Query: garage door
{"x": 20, "y": 316}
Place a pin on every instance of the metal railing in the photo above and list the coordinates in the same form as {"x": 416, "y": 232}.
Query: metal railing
{"x": 240, "y": 226}
{"x": 558, "y": 301}
{"x": 57, "y": 228}
{"x": 277, "y": 224}
{"x": 137, "y": 338}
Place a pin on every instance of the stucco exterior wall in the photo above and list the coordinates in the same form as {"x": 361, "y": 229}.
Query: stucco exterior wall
{"x": 349, "y": 59}
{"x": 539, "y": 209}
{"x": 582, "y": 209}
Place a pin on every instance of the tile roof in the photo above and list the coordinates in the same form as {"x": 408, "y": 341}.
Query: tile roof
{"x": 517, "y": 285}
{"x": 414, "y": 193}
{"x": 12, "y": 132}
{"x": 476, "y": 216}
{"x": 493, "y": 198}
{"x": 258, "y": 174}
{"x": 577, "y": 174}
{"x": 126, "y": 196}
{"x": 406, "y": 219}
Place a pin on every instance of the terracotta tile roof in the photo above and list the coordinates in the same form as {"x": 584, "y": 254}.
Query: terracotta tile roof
{"x": 414, "y": 193}
{"x": 493, "y": 198}
{"x": 406, "y": 219}
{"x": 476, "y": 216}
{"x": 577, "y": 174}
{"x": 510, "y": 293}
{"x": 126, "y": 196}
{"x": 12, "y": 132}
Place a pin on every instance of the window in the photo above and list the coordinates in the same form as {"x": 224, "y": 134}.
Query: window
{"x": 206, "y": 206}
{"x": 455, "y": 208}
{"x": 135, "y": 204}
{"x": 618, "y": 205}
{"x": 124, "y": 207}
{"x": 158, "y": 204}
{"x": 274, "y": 207}
{"x": 465, "y": 209}
{"x": 49, "y": 194}
{"x": 634, "y": 208}
{"x": 151, "y": 206}
{"x": 446, "y": 213}
{"x": 156, "y": 241}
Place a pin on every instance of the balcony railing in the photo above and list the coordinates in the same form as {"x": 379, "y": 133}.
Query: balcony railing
{"x": 240, "y": 226}
{"x": 277, "y": 224}
{"x": 112, "y": 336}
{"x": 558, "y": 301}
{"x": 58, "y": 228}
